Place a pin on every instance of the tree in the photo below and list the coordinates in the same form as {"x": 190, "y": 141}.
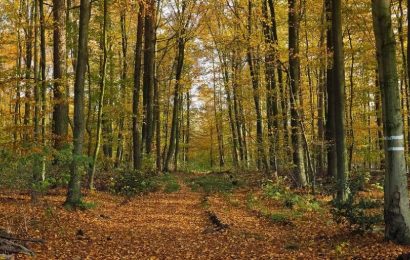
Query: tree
{"x": 294, "y": 74}
{"x": 103, "y": 73}
{"x": 253, "y": 69}
{"x": 396, "y": 204}
{"x": 148, "y": 79}
{"x": 136, "y": 90}
{"x": 60, "y": 107}
{"x": 74, "y": 186}
{"x": 330, "y": 115}
{"x": 339, "y": 103}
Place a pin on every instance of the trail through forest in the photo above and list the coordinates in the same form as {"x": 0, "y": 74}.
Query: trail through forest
{"x": 178, "y": 226}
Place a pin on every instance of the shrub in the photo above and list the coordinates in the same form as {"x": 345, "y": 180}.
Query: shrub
{"x": 278, "y": 191}
{"x": 169, "y": 183}
{"x": 355, "y": 213}
{"x": 213, "y": 183}
{"x": 131, "y": 183}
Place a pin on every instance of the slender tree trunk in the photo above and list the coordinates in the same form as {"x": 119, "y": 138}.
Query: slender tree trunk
{"x": 225, "y": 75}
{"x": 60, "y": 107}
{"x": 218, "y": 119}
{"x": 339, "y": 86}
{"x": 396, "y": 204}
{"x": 330, "y": 116}
{"x": 351, "y": 92}
{"x": 124, "y": 79}
{"x": 271, "y": 86}
{"x": 136, "y": 90}
{"x": 148, "y": 80}
{"x": 179, "y": 61}
{"x": 28, "y": 61}
{"x": 103, "y": 72}
{"x": 37, "y": 111}
{"x": 261, "y": 159}
{"x": 294, "y": 72}
{"x": 188, "y": 126}
{"x": 43, "y": 60}
{"x": 17, "y": 106}
{"x": 74, "y": 187}
{"x": 321, "y": 97}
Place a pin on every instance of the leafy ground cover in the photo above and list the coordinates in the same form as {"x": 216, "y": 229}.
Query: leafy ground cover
{"x": 174, "y": 223}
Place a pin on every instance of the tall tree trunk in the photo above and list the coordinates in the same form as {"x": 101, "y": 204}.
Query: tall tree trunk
{"x": 74, "y": 187}
{"x": 339, "y": 86}
{"x": 188, "y": 126}
{"x": 179, "y": 60}
{"x": 60, "y": 107}
{"x": 136, "y": 91}
{"x": 148, "y": 80}
{"x": 330, "y": 115}
{"x": 124, "y": 79}
{"x": 37, "y": 111}
{"x": 28, "y": 60}
{"x": 17, "y": 106}
{"x": 294, "y": 72}
{"x": 396, "y": 204}
{"x": 103, "y": 72}
{"x": 253, "y": 68}
{"x": 43, "y": 60}
{"x": 271, "y": 86}
{"x": 351, "y": 92}
{"x": 218, "y": 119}
{"x": 225, "y": 76}
{"x": 321, "y": 97}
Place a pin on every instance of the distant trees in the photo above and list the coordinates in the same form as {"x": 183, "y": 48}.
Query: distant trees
{"x": 183, "y": 84}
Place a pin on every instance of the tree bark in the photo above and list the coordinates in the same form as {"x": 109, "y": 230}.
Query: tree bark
{"x": 339, "y": 86}
{"x": 136, "y": 91}
{"x": 124, "y": 79}
{"x": 103, "y": 72}
{"x": 74, "y": 187}
{"x": 330, "y": 115}
{"x": 60, "y": 107}
{"x": 148, "y": 79}
{"x": 294, "y": 73}
{"x": 396, "y": 204}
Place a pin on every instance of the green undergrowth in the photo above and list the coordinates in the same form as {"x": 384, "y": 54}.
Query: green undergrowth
{"x": 213, "y": 183}
{"x": 281, "y": 205}
{"x": 133, "y": 183}
{"x": 359, "y": 214}
{"x": 279, "y": 192}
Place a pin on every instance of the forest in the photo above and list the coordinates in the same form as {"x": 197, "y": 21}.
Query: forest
{"x": 204, "y": 129}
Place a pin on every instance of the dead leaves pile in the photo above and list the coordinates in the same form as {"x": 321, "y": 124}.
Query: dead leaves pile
{"x": 171, "y": 226}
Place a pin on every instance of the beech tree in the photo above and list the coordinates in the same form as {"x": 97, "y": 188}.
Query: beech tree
{"x": 396, "y": 204}
{"x": 294, "y": 74}
{"x": 74, "y": 187}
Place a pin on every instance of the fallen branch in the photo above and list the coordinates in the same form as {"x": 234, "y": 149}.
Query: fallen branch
{"x": 11, "y": 247}
{"x": 9, "y": 244}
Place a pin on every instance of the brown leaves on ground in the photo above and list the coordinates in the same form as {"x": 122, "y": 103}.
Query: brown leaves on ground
{"x": 171, "y": 226}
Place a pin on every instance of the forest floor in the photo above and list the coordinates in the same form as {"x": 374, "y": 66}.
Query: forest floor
{"x": 178, "y": 225}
